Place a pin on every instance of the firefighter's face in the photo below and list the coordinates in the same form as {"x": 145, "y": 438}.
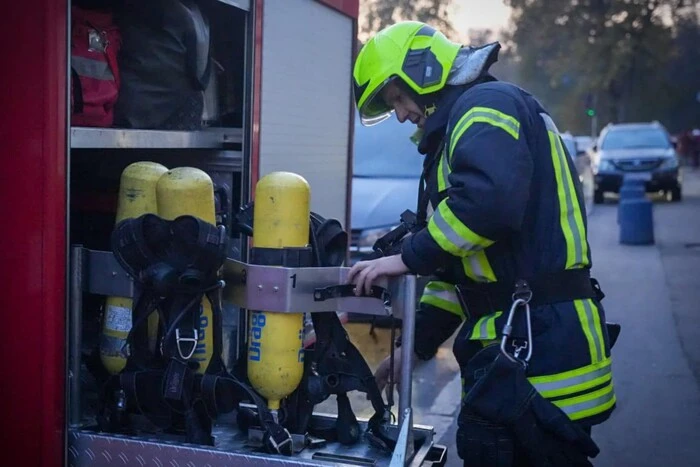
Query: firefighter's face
{"x": 403, "y": 105}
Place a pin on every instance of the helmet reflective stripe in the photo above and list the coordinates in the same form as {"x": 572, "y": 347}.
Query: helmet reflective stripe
{"x": 412, "y": 51}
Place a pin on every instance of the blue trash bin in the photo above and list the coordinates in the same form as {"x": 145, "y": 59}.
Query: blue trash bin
{"x": 630, "y": 189}
{"x": 636, "y": 222}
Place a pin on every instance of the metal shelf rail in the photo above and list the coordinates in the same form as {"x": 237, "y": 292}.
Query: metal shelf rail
{"x": 120, "y": 138}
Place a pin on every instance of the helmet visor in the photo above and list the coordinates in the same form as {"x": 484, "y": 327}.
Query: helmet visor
{"x": 375, "y": 110}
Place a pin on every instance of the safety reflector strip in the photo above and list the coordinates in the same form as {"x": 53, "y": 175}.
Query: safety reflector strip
{"x": 91, "y": 68}
{"x": 590, "y": 324}
{"x": 574, "y": 381}
{"x": 452, "y": 235}
{"x": 484, "y": 115}
{"x": 589, "y": 404}
{"x": 478, "y": 268}
{"x": 444, "y": 171}
{"x": 485, "y": 328}
{"x": 443, "y": 296}
{"x": 570, "y": 217}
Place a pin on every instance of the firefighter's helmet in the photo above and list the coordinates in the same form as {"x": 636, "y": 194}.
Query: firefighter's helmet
{"x": 411, "y": 51}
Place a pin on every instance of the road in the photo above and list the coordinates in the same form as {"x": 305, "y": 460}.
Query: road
{"x": 654, "y": 292}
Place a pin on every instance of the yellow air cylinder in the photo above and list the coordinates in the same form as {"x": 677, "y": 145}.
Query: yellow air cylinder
{"x": 137, "y": 196}
{"x": 189, "y": 191}
{"x": 275, "y": 352}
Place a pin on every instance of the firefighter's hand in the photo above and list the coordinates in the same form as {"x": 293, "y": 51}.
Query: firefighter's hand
{"x": 364, "y": 273}
{"x": 383, "y": 373}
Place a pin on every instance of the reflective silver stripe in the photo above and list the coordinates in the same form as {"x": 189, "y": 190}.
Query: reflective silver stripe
{"x": 573, "y": 381}
{"x": 481, "y": 327}
{"x": 567, "y": 187}
{"x": 442, "y": 294}
{"x": 92, "y": 68}
{"x": 593, "y": 329}
{"x": 549, "y": 123}
{"x": 445, "y": 169}
{"x": 452, "y": 235}
{"x": 599, "y": 401}
{"x": 484, "y": 329}
{"x": 475, "y": 267}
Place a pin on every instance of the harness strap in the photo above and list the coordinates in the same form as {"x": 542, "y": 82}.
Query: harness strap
{"x": 480, "y": 299}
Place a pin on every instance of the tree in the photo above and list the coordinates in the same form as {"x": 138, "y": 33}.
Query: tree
{"x": 378, "y": 14}
{"x": 617, "y": 51}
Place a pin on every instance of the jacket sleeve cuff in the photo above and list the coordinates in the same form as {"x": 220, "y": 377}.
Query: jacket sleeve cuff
{"x": 422, "y": 255}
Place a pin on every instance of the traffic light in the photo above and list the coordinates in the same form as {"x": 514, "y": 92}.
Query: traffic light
{"x": 590, "y": 110}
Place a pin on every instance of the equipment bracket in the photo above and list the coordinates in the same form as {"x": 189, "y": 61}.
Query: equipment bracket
{"x": 294, "y": 290}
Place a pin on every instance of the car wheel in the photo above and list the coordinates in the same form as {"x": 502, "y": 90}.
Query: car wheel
{"x": 676, "y": 194}
{"x": 598, "y": 197}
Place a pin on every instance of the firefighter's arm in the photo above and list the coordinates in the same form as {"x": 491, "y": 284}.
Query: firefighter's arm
{"x": 488, "y": 182}
{"x": 438, "y": 316}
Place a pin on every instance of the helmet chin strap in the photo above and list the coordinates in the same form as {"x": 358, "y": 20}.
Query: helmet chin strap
{"x": 426, "y": 102}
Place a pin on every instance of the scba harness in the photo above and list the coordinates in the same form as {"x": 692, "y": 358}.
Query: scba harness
{"x": 175, "y": 265}
{"x": 333, "y": 365}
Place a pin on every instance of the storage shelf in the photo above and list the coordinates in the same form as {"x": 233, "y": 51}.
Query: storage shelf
{"x": 83, "y": 137}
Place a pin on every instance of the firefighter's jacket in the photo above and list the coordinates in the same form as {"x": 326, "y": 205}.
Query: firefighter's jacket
{"x": 507, "y": 204}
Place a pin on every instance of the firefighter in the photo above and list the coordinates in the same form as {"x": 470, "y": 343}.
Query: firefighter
{"x": 508, "y": 222}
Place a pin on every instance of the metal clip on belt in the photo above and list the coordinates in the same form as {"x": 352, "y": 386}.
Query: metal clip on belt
{"x": 521, "y": 297}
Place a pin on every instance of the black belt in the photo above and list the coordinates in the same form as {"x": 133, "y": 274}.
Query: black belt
{"x": 479, "y": 299}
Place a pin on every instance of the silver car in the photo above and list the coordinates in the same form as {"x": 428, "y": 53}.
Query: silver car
{"x": 641, "y": 151}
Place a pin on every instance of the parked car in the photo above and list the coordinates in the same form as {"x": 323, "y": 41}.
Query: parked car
{"x": 386, "y": 171}
{"x": 584, "y": 143}
{"x": 641, "y": 151}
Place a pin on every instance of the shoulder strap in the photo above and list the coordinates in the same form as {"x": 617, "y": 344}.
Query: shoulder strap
{"x": 423, "y": 193}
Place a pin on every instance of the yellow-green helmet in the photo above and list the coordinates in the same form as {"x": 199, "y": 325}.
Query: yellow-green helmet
{"x": 412, "y": 51}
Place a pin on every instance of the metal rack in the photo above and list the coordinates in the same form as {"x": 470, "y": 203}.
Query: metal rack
{"x": 119, "y": 138}
{"x": 250, "y": 287}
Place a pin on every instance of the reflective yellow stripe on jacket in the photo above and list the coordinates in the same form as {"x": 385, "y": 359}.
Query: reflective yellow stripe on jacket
{"x": 580, "y": 393}
{"x": 475, "y": 115}
{"x": 570, "y": 217}
{"x": 452, "y": 235}
{"x": 444, "y": 296}
{"x": 484, "y": 115}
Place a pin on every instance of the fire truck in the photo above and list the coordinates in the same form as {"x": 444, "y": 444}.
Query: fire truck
{"x": 281, "y": 102}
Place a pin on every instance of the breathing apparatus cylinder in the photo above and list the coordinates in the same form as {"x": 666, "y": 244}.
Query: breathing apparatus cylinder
{"x": 275, "y": 350}
{"x": 137, "y": 196}
{"x": 190, "y": 191}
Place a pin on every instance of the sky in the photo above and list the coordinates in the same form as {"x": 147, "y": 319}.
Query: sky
{"x": 479, "y": 14}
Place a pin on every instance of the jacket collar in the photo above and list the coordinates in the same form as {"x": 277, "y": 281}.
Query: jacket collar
{"x": 436, "y": 125}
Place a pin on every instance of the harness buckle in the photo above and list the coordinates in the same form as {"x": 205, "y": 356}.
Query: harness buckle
{"x": 522, "y": 291}
{"x": 190, "y": 340}
{"x": 277, "y": 447}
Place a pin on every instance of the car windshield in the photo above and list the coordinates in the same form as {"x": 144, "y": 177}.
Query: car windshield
{"x": 386, "y": 150}
{"x": 632, "y": 139}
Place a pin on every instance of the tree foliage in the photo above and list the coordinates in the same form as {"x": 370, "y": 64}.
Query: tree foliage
{"x": 378, "y": 14}
{"x": 631, "y": 59}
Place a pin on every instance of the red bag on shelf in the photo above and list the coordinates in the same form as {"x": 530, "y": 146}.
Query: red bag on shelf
{"x": 95, "y": 43}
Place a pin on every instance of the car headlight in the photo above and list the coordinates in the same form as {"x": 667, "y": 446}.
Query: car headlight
{"x": 605, "y": 166}
{"x": 670, "y": 163}
{"x": 368, "y": 237}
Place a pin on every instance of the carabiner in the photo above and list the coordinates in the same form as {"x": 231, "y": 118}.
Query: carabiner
{"x": 508, "y": 329}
